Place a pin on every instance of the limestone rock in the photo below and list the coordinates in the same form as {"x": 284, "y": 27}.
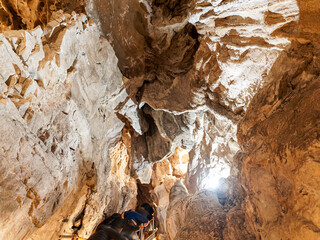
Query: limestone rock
{"x": 181, "y": 76}
{"x": 62, "y": 165}
{"x": 17, "y": 15}
{"x": 164, "y": 176}
{"x": 194, "y": 216}
{"x": 193, "y": 75}
{"x": 278, "y": 134}
{"x": 120, "y": 21}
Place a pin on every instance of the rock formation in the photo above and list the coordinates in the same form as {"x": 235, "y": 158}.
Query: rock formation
{"x": 279, "y": 136}
{"x": 105, "y": 104}
{"x": 177, "y": 72}
{"x": 60, "y": 162}
{"x": 198, "y": 216}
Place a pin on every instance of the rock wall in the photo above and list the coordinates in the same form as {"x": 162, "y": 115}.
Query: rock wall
{"x": 279, "y": 135}
{"x": 165, "y": 174}
{"x": 198, "y": 216}
{"x": 231, "y": 83}
{"x": 192, "y": 76}
{"x": 17, "y": 15}
{"x": 279, "y": 139}
{"x": 62, "y": 166}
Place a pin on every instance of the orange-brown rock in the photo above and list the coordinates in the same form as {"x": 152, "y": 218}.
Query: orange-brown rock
{"x": 29, "y": 14}
{"x": 279, "y": 135}
{"x": 203, "y": 90}
{"x": 198, "y": 216}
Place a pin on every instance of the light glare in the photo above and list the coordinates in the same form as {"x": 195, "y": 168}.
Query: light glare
{"x": 211, "y": 181}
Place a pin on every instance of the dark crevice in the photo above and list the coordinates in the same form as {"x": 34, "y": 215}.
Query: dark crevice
{"x": 173, "y": 8}
{"x": 144, "y": 193}
{"x": 16, "y": 19}
{"x": 77, "y": 222}
{"x": 166, "y": 64}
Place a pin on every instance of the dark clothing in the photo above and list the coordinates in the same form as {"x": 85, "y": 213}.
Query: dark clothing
{"x": 148, "y": 207}
{"x": 107, "y": 234}
{"x": 109, "y": 228}
{"x": 115, "y": 221}
{"x": 146, "y": 210}
{"x": 130, "y": 230}
{"x": 137, "y": 217}
{"x": 145, "y": 213}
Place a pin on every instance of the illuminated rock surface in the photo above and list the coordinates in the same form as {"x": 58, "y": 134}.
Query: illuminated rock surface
{"x": 281, "y": 163}
{"x": 194, "y": 216}
{"x": 59, "y": 87}
{"x": 109, "y": 104}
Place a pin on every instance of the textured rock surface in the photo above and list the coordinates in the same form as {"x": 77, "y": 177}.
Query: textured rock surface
{"x": 207, "y": 214}
{"x": 165, "y": 174}
{"x": 59, "y": 89}
{"x": 195, "y": 78}
{"x": 235, "y": 35}
{"x": 198, "y": 216}
{"x": 30, "y": 14}
{"x": 188, "y": 73}
{"x": 280, "y": 136}
{"x": 193, "y": 75}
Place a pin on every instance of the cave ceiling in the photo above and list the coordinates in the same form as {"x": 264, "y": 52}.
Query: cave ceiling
{"x": 107, "y": 103}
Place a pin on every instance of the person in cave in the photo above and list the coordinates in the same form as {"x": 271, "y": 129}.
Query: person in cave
{"x": 146, "y": 210}
{"x": 136, "y": 217}
{"x": 130, "y": 230}
{"x": 119, "y": 228}
{"x": 107, "y": 233}
{"x": 115, "y": 228}
{"x": 115, "y": 221}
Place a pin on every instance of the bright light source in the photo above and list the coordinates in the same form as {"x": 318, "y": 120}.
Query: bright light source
{"x": 211, "y": 181}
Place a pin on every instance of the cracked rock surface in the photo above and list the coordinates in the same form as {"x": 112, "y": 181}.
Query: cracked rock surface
{"x": 138, "y": 100}
{"x": 281, "y": 163}
{"x": 192, "y": 76}
{"x": 59, "y": 86}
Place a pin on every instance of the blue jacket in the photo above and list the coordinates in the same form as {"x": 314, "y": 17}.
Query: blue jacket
{"x": 137, "y": 217}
